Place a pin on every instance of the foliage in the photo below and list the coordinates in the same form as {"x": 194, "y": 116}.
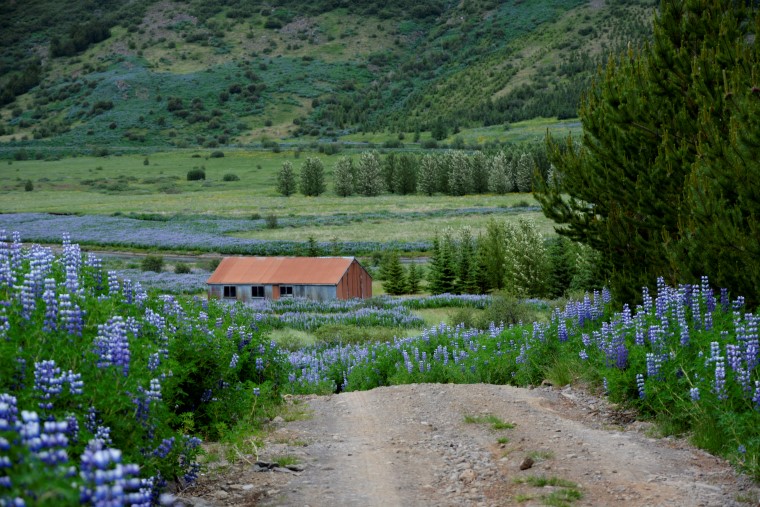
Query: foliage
{"x": 312, "y": 181}
{"x": 343, "y": 174}
{"x": 196, "y": 174}
{"x": 182, "y": 268}
{"x": 120, "y": 407}
{"x": 395, "y": 280}
{"x": 286, "y": 179}
{"x": 526, "y": 262}
{"x": 369, "y": 179}
{"x": 153, "y": 263}
{"x": 230, "y": 177}
{"x": 659, "y": 184}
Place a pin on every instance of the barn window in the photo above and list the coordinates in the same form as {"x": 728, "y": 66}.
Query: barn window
{"x": 230, "y": 291}
{"x": 257, "y": 291}
{"x": 286, "y": 291}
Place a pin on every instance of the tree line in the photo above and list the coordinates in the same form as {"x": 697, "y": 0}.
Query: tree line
{"x": 452, "y": 173}
{"x": 511, "y": 257}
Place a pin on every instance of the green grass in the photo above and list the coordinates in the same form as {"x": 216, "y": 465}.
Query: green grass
{"x": 566, "y": 493}
{"x": 502, "y": 440}
{"x": 492, "y": 420}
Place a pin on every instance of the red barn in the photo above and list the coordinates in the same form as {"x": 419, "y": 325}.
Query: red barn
{"x": 320, "y": 278}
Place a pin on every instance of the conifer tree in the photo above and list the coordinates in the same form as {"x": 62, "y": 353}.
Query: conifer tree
{"x": 413, "y": 278}
{"x": 343, "y": 174}
{"x": 479, "y": 170}
{"x": 369, "y": 178}
{"x": 441, "y": 272}
{"x": 493, "y": 253}
{"x": 660, "y": 185}
{"x": 466, "y": 264}
{"x": 427, "y": 175}
{"x": 460, "y": 176}
{"x": 524, "y": 168}
{"x": 406, "y": 175}
{"x": 312, "y": 177}
{"x": 395, "y": 279}
{"x": 286, "y": 179}
{"x": 480, "y": 273}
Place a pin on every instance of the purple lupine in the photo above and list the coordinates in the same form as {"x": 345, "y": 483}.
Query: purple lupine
{"x": 108, "y": 481}
{"x": 583, "y": 355}
{"x": 27, "y": 297}
{"x": 234, "y": 361}
{"x": 694, "y": 393}
{"x": 733, "y": 353}
{"x": 5, "y": 325}
{"x": 654, "y": 364}
{"x": 640, "y": 385}
{"x": 154, "y": 360}
{"x": 72, "y": 428}
{"x": 605, "y": 385}
{"x": 48, "y": 381}
{"x": 719, "y": 386}
{"x": 91, "y": 420}
{"x": 113, "y": 283}
{"x": 51, "y": 306}
{"x": 755, "y": 397}
{"x": 112, "y": 346}
{"x": 72, "y": 317}
{"x": 164, "y": 448}
{"x": 724, "y": 301}
{"x": 259, "y": 364}
{"x": 8, "y": 412}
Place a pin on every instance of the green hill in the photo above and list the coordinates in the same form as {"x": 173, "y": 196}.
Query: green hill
{"x": 213, "y": 73}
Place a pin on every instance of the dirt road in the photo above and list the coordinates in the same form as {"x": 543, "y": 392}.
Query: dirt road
{"x": 432, "y": 444}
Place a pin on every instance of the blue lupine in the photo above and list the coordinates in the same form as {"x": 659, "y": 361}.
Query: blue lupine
{"x": 48, "y": 382}
{"x": 112, "y": 345}
{"x": 234, "y": 361}
{"x": 107, "y": 481}
{"x": 72, "y": 318}
{"x": 640, "y": 385}
{"x": 164, "y": 448}
{"x": 694, "y": 393}
{"x": 719, "y": 386}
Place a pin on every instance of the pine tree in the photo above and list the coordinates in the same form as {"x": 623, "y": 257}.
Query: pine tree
{"x": 524, "y": 168}
{"x": 406, "y": 175}
{"x": 499, "y": 178}
{"x": 343, "y": 173}
{"x": 460, "y": 176}
{"x": 493, "y": 252}
{"x": 427, "y": 175}
{"x": 395, "y": 279}
{"x": 312, "y": 177}
{"x": 480, "y": 272}
{"x": 413, "y": 278}
{"x": 312, "y": 247}
{"x": 286, "y": 179}
{"x": 660, "y": 126}
{"x": 479, "y": 169}
{"x": 466, "y": 264}
{"x": 369, "y": 178}
{"x": 526, "y": 260}
{"x": 561, "y": 258}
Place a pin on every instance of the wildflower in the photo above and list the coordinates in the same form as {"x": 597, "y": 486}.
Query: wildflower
{"x": 694, "y": 393}
{"x": 640, "y": 385}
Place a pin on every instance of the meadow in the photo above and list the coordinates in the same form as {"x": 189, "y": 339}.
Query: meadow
{"x": 118, "y": 412}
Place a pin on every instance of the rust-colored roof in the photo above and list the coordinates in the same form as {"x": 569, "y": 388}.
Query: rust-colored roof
{"x": 280, "y": 270}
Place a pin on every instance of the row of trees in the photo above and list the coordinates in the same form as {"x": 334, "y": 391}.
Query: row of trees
{"x": 453, "y": 173}
{"x": 666, "y": 182}
{"x": 509, "y": 257}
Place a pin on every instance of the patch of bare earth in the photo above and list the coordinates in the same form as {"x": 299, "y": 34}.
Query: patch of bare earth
{"x": 435, "y": 444}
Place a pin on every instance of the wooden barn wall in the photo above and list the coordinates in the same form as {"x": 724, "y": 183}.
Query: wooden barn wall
{"x": 356, "y": 283}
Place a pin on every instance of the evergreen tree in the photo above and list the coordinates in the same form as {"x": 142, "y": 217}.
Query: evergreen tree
{"x": 369, "y": 178}
{"x": 499, "y": 174}
{"x": 343, "y": 174}
{"x": 493, "y": 252}
{"x": 460, "y": 176}
{"x": 427, "y": 175}
{"x": 479, "y": 170}
{"x": 312, "y": 247}
{"x": 389, "y": 168}
{"x": 395, "y": 279}
{"x": 524, "y": 168}
{"x": 413, "y": 278}
{"x": 466, "y": 265}
{"x": 442, "y": 270}
{"x": 406, "y": 175}
{"x": 480, "y": 272}
{"x": 561, "y": 258}
{"x": 526, "y": 260}
{"x": 312, "y": 177}
{"x": 286, "y": 179}
{"x": 665, "y": 182}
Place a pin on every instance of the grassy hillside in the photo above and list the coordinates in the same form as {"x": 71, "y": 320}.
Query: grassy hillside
{"x": 200, "y": 73}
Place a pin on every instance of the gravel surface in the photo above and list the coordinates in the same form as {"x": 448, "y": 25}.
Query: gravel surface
{"x": 432, "y": 444}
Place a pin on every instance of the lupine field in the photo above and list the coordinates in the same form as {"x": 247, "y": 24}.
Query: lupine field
{"x": 106, "y": 390}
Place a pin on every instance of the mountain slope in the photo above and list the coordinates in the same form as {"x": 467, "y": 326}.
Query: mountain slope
{"x": 207, "y": 73}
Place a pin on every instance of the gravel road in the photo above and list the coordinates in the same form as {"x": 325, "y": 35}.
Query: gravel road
{"x": 433, "y": 445}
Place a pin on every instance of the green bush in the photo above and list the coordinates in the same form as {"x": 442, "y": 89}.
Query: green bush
{"x": 182, "y": 268}
{"x": 217, "y": 154}
{"x": 196, "y": 174}
{"x": 230, "y": 177}
{"x": 28, "y": 186}
{"x": 153, "y": 263}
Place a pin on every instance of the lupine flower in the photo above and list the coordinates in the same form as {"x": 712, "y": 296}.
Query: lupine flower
{"x": 164, "y": 448}
{"x": 48, "y": 382}
{"x": 256, "y": 391}
{"x": 694, "y": 393}
{"x": 112, "y": 346}
{"x": 583, "y": 354}
{"x": 107, "y": 481}
{"x": 720, "y": 379}
{"x": 640, "y": 385}
{"x": 234, "y": 361}
{"x": 72, "y": 318}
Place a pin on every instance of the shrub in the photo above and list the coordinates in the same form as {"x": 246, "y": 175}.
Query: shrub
{"x": 182, "y": 268}
{"x": 28, "y": 186}
{"x": 506, "y": 309}
{"x": 231, "y": 177}
{"x": 153, "y": 263}
{"x": 271, "y": 221}
{"x": 217, "y": 154}
{"x": 196, "y": 174}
